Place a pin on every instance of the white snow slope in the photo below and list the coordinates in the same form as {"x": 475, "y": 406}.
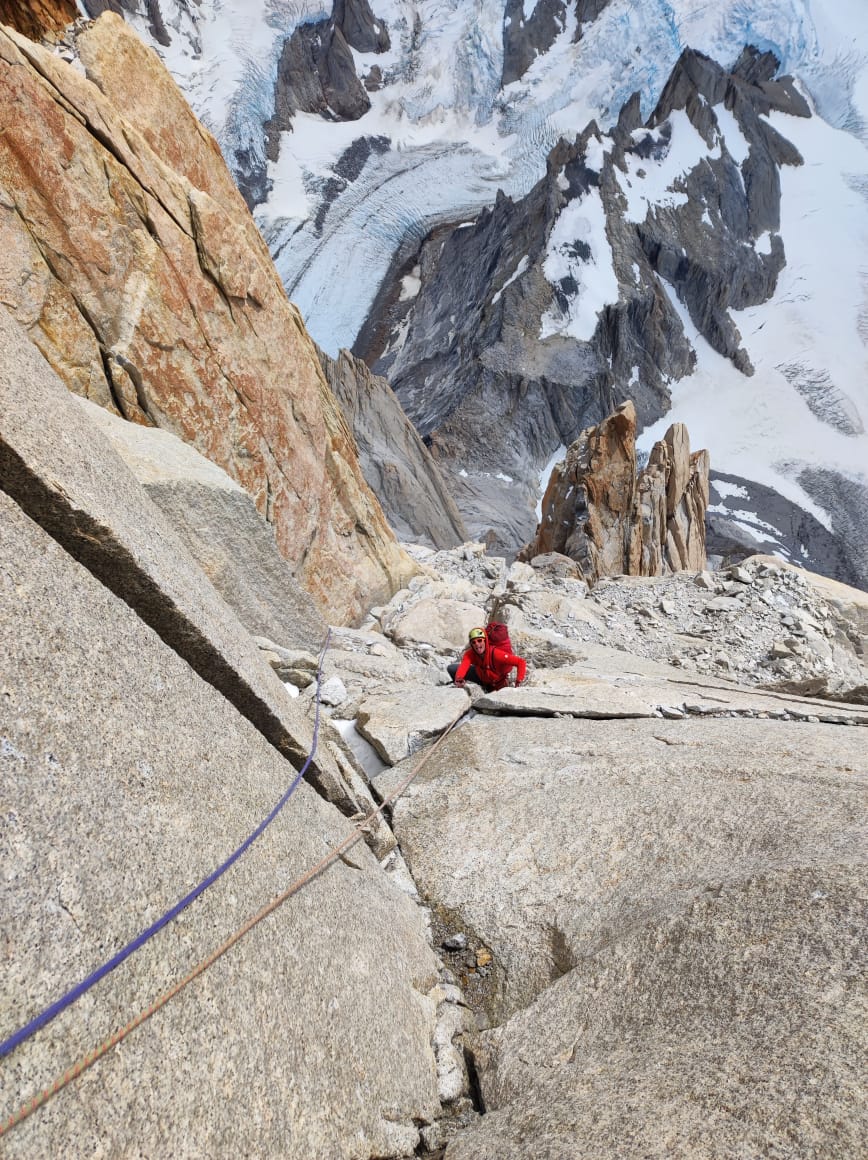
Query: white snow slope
{"x": 456, "y": 137}
{"x": 807, "y": 404}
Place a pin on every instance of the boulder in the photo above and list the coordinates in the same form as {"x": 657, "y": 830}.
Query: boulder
{"x": 442, "y": 623}
{"x": 398, "y": 724}
{"x": 160, "y": 300}
{"x": 364, "y": 673}
{"x": 293, "y": 665}
{"x": 126, "y": 779}
{"x": 565, "y": 604}
{"x": 556, "y": 564}
{"x": 333, "y": 692}
{"x": 723, "y": 604}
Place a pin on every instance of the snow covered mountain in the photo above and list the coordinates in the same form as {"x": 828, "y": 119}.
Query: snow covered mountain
{"x": 362, "y": 133}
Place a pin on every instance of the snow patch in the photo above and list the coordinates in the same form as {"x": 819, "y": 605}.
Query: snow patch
{"x": 363, "y": 751}
{"x": 411, "y": 284}
{"x": 729, "y": 132}
{"x": 517, "y": 273}
{"x": 649, "y": 181}
{"x": 579, "y": 265}
{"x": 725, "y": 490}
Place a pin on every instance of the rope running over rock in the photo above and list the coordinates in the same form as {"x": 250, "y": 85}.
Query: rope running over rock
{"x": 76, "y": 992}
{"x": 336, "y": 852}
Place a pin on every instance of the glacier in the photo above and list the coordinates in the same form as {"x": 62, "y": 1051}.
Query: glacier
{"x": 455, "y": 134}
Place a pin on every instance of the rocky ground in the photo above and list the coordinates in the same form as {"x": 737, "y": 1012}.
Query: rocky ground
{"x": 760, "y": 623}
{"x": 597, "y": 851}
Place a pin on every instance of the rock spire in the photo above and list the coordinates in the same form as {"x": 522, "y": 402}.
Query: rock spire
{"x": 611, "y": 521}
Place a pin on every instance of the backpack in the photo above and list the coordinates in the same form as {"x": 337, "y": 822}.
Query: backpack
{"x": 498, "y": 635}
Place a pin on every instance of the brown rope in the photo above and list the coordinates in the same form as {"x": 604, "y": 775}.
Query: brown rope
{"x": 329, "y": 859}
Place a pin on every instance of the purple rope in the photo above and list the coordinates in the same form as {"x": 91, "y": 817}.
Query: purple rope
{"x": 85, "y": 985}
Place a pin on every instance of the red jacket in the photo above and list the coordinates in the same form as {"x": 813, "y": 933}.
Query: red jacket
{"x": 493, "y": 666}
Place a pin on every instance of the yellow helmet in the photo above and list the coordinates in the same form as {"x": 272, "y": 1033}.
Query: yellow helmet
{"x": 476, "y": 633}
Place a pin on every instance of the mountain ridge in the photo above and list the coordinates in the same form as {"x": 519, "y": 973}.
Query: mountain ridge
{"x": 444, "y": 132}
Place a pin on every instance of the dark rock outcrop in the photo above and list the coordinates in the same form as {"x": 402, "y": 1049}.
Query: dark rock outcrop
{"x": 360, "y": 27}
{"x": 499, "y": 335}
{"x": 153, "y": 13}
{"x": 735, "y": 529}
{"x": 704, "y": 247}
{"x": 316, "y": 72}
{"x": 611, "y": 522}
{"x": 847, "y": 502}
{"x": 525, "y": 38}
{"x": 395, "y": 462}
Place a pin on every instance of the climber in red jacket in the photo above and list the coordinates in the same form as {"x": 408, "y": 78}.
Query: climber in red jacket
{"x": 486, "y": 664}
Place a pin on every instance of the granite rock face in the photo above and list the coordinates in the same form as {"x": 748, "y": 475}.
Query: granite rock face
{"x": 216, "y": 521}
{"x": 125, "y": 780}
{"x": 137, "y": 269}
{"x": 658, "y": 909}
{"x": 730, "y": 1029}
{"x": 597, "y": 511}
{"x": 543, "y": 890}
{"x": 396, "y": 463}
{"x": 63, "y": 472}
{"x": 629, "y": 861}
{"x": 665, "y": 910}
{"x": 589, "y": 504}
